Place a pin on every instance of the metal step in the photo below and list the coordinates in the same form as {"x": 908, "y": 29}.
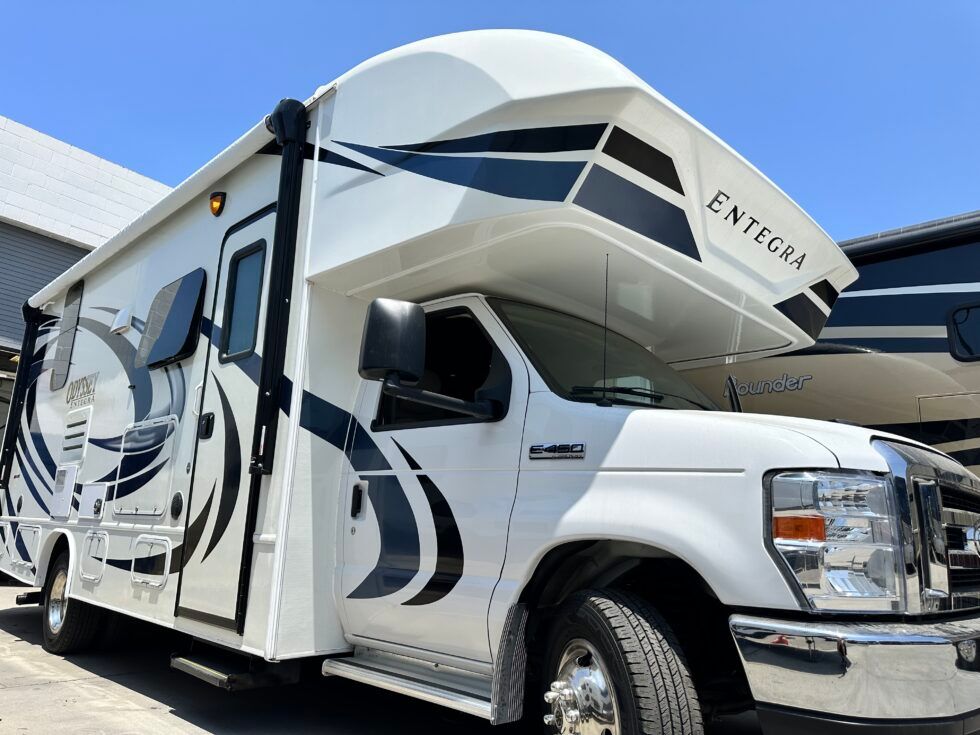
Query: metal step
{"x": 444, "y": 685}
{"x": 234, "y": 672}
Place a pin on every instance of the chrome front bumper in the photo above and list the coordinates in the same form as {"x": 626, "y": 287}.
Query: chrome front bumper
{"x": 886, "y": 673}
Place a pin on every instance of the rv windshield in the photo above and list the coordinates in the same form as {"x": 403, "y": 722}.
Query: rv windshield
{"x": 568, "y": 352}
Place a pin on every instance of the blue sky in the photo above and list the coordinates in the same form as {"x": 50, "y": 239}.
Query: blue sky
{"x": 867, "y": 113}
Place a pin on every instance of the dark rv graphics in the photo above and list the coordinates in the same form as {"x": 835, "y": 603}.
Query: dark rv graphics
{"x": 397, "y": 387}
{"x": 898, "y": 351}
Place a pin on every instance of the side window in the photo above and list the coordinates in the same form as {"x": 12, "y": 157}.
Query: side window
{"x": 963, "y": 331}
{"x": 460, "y": 360}
{"x": 66, "y": 337}
{"x": 174, "y": 322}
{"x": 243, "y": 301}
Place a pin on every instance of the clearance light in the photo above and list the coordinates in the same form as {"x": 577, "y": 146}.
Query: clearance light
{"x": 217, "y": 202}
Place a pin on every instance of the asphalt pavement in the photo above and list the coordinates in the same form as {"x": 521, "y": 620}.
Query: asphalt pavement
{"x": 127, "y": 686}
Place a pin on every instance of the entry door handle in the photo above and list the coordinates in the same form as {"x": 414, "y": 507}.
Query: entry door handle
{"x": 205, "y": 425}
{"x": 357, "y": 498}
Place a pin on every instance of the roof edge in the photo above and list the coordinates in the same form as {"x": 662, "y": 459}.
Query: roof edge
{"x": 925, "y": 233}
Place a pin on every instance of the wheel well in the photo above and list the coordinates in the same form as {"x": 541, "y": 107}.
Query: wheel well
{"x": 56, "y": 543}
{"x": 681, "y": 595}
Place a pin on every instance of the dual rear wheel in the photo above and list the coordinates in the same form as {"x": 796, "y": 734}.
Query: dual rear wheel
{"x": 68, "y": 625}
{"x": 614, "y": 667}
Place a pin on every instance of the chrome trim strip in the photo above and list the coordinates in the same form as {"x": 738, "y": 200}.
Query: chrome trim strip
{"x": 935, "y": 572}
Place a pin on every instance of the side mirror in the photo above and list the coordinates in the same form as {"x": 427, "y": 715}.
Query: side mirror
{"x": 393, "y": 341}
{"x": 393, "y": 350}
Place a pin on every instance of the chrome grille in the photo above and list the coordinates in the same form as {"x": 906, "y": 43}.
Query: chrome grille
{"x": 961, "y": 523}
{"x": 939, "y": 507}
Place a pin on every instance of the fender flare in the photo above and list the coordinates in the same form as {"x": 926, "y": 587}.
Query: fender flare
{"x": 48, "y": 542}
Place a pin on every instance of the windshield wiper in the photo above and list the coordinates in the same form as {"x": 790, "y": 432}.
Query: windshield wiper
{"x": 583, "y": 390}
{"x": 636, "y": 391}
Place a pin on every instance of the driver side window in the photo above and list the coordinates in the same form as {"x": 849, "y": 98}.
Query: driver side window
{"x": 460, "y": 361}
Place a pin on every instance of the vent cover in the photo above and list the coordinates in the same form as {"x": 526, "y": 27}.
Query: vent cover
{"x": 76, "y": 436}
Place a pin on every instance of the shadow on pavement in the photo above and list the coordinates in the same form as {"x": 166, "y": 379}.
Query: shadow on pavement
{"x": 138, "y": 658}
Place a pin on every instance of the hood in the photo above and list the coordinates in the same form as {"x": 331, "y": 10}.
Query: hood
{"x": 850, "y": 444}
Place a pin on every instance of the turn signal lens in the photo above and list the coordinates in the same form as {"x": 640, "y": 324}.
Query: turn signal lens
{"x": 217, "y": 202}
{"x": 799, "y": 528}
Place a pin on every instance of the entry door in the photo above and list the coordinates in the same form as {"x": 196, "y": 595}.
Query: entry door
{"x": 430, "y": 494}
{"x": 217, "y": 539}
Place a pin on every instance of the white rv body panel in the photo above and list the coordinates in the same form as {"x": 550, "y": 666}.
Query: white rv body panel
{"x": 546, "y": 211}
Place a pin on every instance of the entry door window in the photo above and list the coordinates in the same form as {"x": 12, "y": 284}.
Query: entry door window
{"x": 243, "y": 302}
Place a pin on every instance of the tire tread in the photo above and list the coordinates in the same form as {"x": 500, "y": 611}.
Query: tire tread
{"x": 660, "y": 680}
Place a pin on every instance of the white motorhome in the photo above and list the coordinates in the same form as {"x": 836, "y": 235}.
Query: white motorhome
{"x": 395, "y": 382}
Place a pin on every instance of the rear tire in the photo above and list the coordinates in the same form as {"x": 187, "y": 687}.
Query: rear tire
{"x": 68, "y": 625}
{"x": 615, "y": 662}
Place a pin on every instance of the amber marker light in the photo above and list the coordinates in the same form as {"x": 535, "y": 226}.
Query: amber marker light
{"x": 799, "y": 528}
{"x": 217, "y": 202}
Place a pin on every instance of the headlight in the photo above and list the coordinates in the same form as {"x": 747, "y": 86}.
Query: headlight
{"x": 838, "y": 534}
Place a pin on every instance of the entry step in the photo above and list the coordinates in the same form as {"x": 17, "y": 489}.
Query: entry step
{"x": 235, "y": 672}
{"x": 445, "y": 685}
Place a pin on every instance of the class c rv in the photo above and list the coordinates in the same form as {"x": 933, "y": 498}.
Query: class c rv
{"x": 396, "y": 384}
{"x": 900, "y": 350}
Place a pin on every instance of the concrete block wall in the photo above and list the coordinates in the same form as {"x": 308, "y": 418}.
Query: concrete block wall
{"x": 56, "y": 189}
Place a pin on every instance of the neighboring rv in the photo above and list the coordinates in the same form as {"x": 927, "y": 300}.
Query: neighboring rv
{"x": 393, "y": 384}
{"x": 900, "y": 350}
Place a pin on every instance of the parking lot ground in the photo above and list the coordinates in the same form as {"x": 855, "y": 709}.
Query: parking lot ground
{"x": 127, "y": 686}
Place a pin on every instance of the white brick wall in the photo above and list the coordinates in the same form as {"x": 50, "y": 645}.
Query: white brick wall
{"x": 64, "y": 192}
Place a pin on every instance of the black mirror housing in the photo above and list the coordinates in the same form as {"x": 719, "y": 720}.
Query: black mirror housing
{"x": 393, "y": 341}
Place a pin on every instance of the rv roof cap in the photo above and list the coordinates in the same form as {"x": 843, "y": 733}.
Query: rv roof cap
{"x": 512, "y": 163}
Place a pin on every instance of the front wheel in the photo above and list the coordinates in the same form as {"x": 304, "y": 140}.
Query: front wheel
{"x": 69, "y": 625}
{"x": 616, "y": 669}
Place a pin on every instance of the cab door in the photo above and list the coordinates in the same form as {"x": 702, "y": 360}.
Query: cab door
{"x": 216, "y": 549}
{"x": 430, "y": 493}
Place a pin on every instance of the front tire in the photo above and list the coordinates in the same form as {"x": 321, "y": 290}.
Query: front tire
{"x": 68, "y": 625}
{"x": 616, "y": 668}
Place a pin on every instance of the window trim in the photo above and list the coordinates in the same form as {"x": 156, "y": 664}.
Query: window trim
{"x": 496, "y": 353}
{"x": 951, "y": 330}
{"x": 259, "y": 245}
{"x": 80, "y": 285}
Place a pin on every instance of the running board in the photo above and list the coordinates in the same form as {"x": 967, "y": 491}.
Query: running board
{"x": 444, "y": 685}
{"x": 234, "y": 673}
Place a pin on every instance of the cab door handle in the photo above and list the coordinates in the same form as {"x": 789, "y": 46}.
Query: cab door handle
{"x": 357, "y": 498}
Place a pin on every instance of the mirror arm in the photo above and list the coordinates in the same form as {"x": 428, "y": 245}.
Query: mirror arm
{"x": 392, "y": 386}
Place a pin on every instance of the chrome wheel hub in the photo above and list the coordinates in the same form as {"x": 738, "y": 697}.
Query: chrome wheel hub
{"x": 582, "y": 698}
{"x": 57, "y": 601}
